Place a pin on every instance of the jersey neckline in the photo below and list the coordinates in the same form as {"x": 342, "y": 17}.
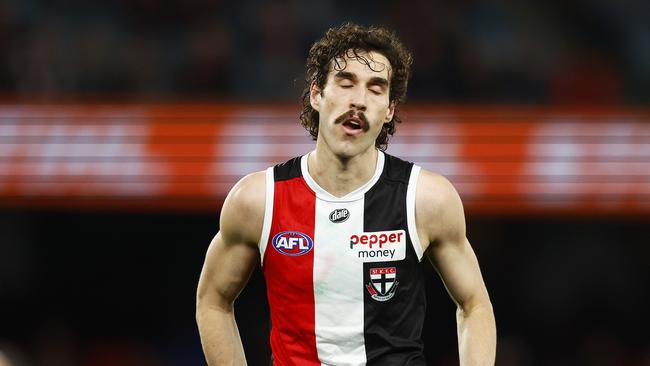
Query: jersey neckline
{"x": 358, "y": 193}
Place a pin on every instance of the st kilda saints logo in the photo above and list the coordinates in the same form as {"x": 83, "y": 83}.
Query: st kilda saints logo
{"x": 383, "y": 283}
{"x": 340, "y": 215}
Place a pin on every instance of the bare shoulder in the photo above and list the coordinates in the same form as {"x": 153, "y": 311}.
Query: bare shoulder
{"x": 439, "y": 209}
{"x": 242, "y": 214}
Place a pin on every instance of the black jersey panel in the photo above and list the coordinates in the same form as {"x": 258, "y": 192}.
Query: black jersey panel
{"x": 287, "y": 170}
{"x": 393, "y": 322}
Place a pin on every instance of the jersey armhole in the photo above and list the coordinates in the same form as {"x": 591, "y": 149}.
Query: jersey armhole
{"x": 410, "y": 211}
{"x": 268, "y": 213}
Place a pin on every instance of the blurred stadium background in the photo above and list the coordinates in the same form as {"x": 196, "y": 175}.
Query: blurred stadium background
{"x": 123, "y": 124}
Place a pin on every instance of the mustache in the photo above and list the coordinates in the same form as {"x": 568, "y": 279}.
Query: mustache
{"x": 350, "y": 114}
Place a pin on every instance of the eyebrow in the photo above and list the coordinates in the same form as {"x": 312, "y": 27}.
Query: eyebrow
{"x": 345, "y": 75}
{"x": 375, "y": 80}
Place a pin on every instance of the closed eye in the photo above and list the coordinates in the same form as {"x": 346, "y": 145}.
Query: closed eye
{"x": 377, "y": 89}
{"x": 378, "y": 85}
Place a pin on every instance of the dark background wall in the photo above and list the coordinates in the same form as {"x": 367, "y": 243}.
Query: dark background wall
{"x": 465, "y": 51}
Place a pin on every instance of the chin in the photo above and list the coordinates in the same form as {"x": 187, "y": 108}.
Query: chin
{"x": 349, "y": 150}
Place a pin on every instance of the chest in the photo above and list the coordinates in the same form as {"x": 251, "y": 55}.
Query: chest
{"x": 333, "y": 241}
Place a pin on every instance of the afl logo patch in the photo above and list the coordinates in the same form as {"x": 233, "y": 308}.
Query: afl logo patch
{"x": 339, "y": 215}
{"x": 292, "y": 243}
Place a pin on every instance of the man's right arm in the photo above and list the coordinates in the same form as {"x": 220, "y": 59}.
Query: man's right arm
{"x": 229, "y": 262}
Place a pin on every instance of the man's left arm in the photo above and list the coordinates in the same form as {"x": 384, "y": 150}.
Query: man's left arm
{"x": 441, "y": 227}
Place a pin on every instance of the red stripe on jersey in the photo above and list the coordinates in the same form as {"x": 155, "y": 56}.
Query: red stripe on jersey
{"x": 289, "y": 278}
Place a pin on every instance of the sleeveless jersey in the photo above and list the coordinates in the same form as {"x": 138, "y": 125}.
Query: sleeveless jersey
{"x": 342, "y": 274}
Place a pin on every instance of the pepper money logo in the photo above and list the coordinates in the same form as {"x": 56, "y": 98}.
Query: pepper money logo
{"x": 379, "y": 246}
{"x": 292, "y": 243}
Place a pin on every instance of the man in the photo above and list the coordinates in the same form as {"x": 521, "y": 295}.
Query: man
{"x": 341, "y": 230}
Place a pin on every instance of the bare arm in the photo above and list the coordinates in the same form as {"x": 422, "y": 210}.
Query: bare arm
{"x": 441, "y": 226}
{"x": 229, "y": 262}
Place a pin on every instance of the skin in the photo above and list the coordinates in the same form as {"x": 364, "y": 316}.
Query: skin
{"x": 343, "y": 162}
{"x": 344, "y": 159}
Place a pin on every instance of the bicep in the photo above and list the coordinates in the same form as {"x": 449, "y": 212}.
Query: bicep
{"x": 441, "y": 216}
{"x": 456, "y": 263}
{"x": 233, "y": 253}
{"x": 226, "y": 270}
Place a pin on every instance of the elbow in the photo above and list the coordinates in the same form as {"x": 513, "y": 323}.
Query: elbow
{"x": 199, "y": 309}
{"x": 204, "y": 303}
{"x": 482, "y": 305}
{"x": 209, "y": 303}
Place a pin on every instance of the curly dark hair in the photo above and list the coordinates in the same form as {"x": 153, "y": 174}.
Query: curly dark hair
{"x": 353, "y": 38}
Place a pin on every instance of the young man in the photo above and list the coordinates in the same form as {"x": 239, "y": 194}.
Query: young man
{"x": 341, "y": 230}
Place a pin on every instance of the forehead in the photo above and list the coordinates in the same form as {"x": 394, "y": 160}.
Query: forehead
{"x": 373, "y": 63}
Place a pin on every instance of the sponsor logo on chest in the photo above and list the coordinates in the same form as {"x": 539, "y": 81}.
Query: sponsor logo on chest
{"x": 379, "y": 246}
{"x": 340, "y": 215}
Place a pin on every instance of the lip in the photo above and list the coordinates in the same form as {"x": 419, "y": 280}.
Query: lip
{"x": 355, "y": 119}
{"x": 353, "y": 131}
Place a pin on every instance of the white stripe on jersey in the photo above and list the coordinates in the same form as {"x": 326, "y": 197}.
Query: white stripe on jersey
{"x": 268, "y": 213}
{"x": 338, "y": 286}
{"x": 410, "y": 211}
{"x": 338, "y": 273}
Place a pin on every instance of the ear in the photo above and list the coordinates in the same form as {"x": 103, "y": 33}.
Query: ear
{"x": 314, "y": 96}
{"x": 390, "y": 112}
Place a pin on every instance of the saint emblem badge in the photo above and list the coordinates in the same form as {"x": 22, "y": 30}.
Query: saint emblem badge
{"x": 383, "y": 283}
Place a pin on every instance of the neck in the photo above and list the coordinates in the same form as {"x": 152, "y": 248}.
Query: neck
{"x": 341, "y": 175}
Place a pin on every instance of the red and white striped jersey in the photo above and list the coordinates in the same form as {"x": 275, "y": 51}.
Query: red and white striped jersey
{"x": 342, "y": 273}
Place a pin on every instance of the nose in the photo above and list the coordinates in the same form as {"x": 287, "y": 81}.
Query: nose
{"x": 358, "y": 100}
